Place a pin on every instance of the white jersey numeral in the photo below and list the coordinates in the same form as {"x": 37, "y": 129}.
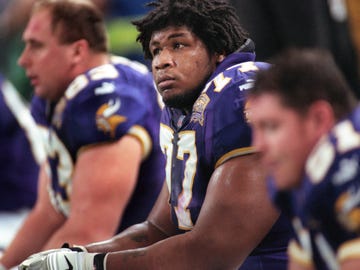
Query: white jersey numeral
{"x": 185, "y": 146}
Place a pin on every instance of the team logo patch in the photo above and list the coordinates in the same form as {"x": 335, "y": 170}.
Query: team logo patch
{"x": 348, "y": 209}
{"x": 199, "y": 108}
{"x": 106, "y": 118}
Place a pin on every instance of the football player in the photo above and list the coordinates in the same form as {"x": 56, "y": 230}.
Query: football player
{"x": 213, "y": 211}
{"x": 100, "y": 118}
{"x": 313, "y": 165}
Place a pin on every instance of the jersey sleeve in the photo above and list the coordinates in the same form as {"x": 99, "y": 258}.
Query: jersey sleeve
{"x": 335, "y": 174}
{"x": 232, "y": 134}
{"x": 104, "y": 111}
{"x": 231, "y": 131}
{"x": 334, "y": 204}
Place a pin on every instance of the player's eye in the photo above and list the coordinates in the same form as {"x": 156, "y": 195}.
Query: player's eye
{"x": 155, "y": 51}
{"x": 34, "y": 44}
{"x": 178, "y": 45}
{"x": 270, "y": 126}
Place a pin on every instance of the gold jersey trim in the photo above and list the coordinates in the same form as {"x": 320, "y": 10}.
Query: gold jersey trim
{"x": 235, "y": 153}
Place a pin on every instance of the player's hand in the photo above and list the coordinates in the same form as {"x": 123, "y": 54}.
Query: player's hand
{"x": 35, "y": 260}
{"x": 69, "y": 260}
{"x": 62, "y": 259}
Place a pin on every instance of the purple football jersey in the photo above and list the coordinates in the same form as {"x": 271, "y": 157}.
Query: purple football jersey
{"x": 215, "y": 131}
{"x": 99, "y": 106}
{"x": 327, "y": 204}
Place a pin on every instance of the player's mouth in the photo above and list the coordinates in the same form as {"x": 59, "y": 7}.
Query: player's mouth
{"x": 34, "y": 80}
{"x": 165, "y": 83}
{"x": 270, "y": 165}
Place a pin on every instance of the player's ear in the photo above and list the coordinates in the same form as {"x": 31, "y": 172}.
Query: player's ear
{"x": 220, "y": 57}
{"x": 80, "y": 48}
{"x": 322, "y": 115}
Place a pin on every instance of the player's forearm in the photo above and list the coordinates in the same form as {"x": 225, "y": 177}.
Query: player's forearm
{"x": 30, "y": 239}
{"x": 176, "y": 252}
{"x": 190, "y": 251}
{"x": 137, "y": 236}
{"x": 353, "y": 264}
{"x": 78, "y": 231}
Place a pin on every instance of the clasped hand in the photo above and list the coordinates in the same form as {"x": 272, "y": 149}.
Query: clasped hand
{"x": 59, "y": 259}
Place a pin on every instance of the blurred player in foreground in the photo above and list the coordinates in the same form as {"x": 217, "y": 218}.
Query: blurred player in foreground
{"x": 307, "y": 126}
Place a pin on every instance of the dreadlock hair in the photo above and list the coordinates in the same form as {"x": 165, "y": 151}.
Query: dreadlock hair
{"x": 215, "y": 22}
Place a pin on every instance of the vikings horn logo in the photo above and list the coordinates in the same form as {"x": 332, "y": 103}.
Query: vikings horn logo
{"x": 106, "y": 118}
{"x": 348, "y": 211}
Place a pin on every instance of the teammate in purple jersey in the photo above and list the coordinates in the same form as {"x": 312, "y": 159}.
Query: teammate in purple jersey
{"x": 227, "y": 135}
{"x": 214, "y": 211}
{"x": 116, "y": 99}
{"x": 100, "y": 118}
{"x": 307, "y": 126}
{"x": 21, "y": 153}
